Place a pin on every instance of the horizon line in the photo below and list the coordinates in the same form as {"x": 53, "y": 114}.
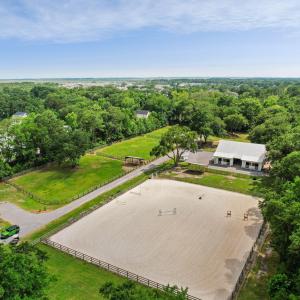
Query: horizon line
{"x": 149, "y": 77}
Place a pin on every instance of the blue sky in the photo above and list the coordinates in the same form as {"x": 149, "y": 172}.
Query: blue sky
{"x": 136, "y": 38}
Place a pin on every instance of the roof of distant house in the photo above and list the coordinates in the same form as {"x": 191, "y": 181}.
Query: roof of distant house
{"x": 20, "y": 114}
{"x": 142, "y": 112}
{"x": 243, "y": 151}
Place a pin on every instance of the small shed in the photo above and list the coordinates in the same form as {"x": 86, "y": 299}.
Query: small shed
{"x": 134, "y": 160}
{"x": 142, "y": 114}
{"x": 20, "y": 114}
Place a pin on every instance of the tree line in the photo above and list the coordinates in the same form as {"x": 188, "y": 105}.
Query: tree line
{"x": 63, "y": 123}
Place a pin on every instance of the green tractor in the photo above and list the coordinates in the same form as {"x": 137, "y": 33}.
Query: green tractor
{"x": 10, "y": 231}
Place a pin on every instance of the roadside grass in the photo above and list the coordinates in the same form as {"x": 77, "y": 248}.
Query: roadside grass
{"x": 75, "y": 279}
{"x": 9, "y": 193}
{"x": 58, "y": 185}
{"x": 245, "y": 185}
{"x": 140, "y": 146}
{"x": 255, "y": 286}
{"x": 3, "y": 224}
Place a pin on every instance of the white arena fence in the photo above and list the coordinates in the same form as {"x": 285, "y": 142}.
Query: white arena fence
{"x": 109, "y": 267}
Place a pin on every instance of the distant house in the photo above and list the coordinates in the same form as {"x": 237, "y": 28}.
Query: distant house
{"x": 142, "y": 114}
{"x": 245, "y": 155}
{"x": 20, "y": 114}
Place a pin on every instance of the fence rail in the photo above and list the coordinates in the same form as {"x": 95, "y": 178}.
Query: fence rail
{"x": 249, "y": 262}
{"x": 91, "y": 189}
{"x": 132, "y": 276}
{"x": 107, "y": 266}
{"x": 81, "y": 215}
{"x": 27, "y": 193}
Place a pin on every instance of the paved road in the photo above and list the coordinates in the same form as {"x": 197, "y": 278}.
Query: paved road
{"x": 30, "y": 222}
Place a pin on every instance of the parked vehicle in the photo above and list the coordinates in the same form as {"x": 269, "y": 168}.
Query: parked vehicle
{"x": 10, "y": 231}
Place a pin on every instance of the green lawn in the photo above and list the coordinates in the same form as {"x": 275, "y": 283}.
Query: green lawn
{"x": 140, "y": 146}
{"x": 225, "y": 182}
{"x": 75, "y": 279}
{"x": 57, "y": 185}
{"x": 239, "y": 137}
{"x": 10, "y": 194}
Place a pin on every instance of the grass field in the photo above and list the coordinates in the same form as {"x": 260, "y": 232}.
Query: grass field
{"x": 57, "y": 185}
{"x": 230, "y": 183}
{"x": 240, "y": 137}
{"x": 10, "y": 194}
{"x": 75, "y": 279}
{"x": 140, "y": 146}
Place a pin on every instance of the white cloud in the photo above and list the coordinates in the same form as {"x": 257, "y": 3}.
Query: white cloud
{"x": 81, "y": 20}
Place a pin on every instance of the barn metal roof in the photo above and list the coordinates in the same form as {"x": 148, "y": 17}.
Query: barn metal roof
{"x": 239, "y": 150}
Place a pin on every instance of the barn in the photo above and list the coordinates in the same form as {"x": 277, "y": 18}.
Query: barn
{"x": 245, "y": 155}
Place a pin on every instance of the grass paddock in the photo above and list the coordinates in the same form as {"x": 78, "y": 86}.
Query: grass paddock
{"x": 9, "y": 193}
{"x": 58, "y": 185}
{"x": 140, "y": 146}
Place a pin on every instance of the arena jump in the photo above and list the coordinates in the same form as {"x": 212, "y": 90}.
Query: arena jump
{"x": 163, "y": 212}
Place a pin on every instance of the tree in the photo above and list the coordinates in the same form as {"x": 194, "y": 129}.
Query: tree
{"x": 271, "y": 101}
{"x": 250, "y": 108}
{"x": 91, "y": 121}
{"x": 281, "y": 145}
{"x": 5, "y": 168}
{"x": 217, "y": 126}
{"x": 130, "y": 291}
{"x": 271, "y": 128}
{"x": 72, "y": 120}
{"x": 23, "y": 274}
{"x": 73, "y": 147}
{"x": 278, "y": 287}
{"x": 201, "y": 122}
{"x": 235, "y": 123}
{"x": 281, "y": 208}
{"x": 178, "y": 139}
{"x": 288, "y": 167}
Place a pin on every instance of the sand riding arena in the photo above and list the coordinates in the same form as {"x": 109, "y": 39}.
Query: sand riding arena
{"x": 172, "y": 233}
